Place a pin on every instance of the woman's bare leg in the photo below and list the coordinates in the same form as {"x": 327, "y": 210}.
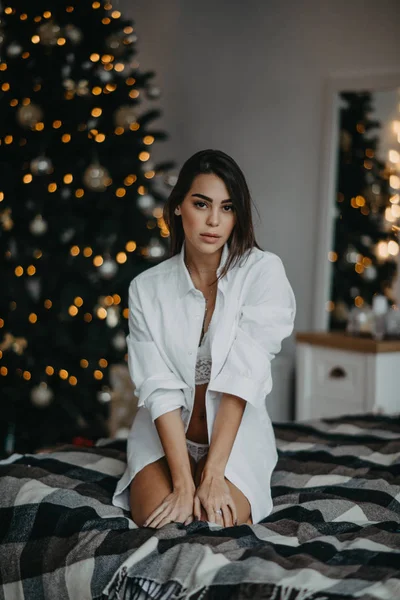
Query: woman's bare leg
{"x": 243, "y": 508}
{"x": 149, "y": 488}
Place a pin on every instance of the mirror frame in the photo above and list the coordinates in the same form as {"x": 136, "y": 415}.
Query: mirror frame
{"x": 357, "y": 81}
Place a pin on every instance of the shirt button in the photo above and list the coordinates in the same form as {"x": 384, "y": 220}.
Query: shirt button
{"x": 197, "y": 316}
{"x": 190, "y": 352}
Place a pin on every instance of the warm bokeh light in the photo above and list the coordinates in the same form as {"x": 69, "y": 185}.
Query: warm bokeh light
{"x": 358, "y": 301}
{"x": 98, "y": 261}
{"x": 121, "y": 258}
{"x": 394, "y": 182}
{"x": 101, "y": 313}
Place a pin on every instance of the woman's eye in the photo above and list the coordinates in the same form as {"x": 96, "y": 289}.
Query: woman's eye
{"x": 225, "y": 206}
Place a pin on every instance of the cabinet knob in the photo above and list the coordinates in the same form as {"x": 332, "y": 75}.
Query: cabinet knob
{"x": 337, "y": 373}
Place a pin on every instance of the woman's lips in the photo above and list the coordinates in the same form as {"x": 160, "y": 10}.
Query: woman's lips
{"x": 209, "y": 238}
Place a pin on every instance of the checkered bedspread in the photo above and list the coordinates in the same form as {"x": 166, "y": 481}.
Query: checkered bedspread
{"x": 334, "y": 532}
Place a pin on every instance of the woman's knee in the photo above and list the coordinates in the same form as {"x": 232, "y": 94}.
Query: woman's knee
{"x": 148, "y": 489}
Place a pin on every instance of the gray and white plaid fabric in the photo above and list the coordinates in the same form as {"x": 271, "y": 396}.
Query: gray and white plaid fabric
{"x": 333, "y": 533}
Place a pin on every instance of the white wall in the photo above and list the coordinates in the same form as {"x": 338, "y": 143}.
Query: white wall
{"x": 247, "y": 77}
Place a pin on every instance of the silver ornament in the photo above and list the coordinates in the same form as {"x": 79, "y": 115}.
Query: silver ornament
{"x": 115, "y": 43}
{"x": 370, "y": 273}
{"x": 49, "y": 33}
{"x": 112, "y": 318}
{"x": 170, "y": 180}
{"x": 119, "y": 341}
{"x": 14, "y": 49}
{"x": 153, "y": 92}
{"x": 28, "y": 116}
{"x": 366, "y": 240}
{"x": 125, "y": 116}
{"x": 67, "y": 235}
{"x": 104, "y": 395}
{"x": 34, "y": 288}
{"x": 108, "y": 269}
{"x": 73, "y": 33}
{"x": 146, "y": 204}
{"x": 96, "y": 177}
{"x": 41, "y": 165}
{"x": 105, "y": 76}
{"x": 155, "y": 249}
{"x": 351, "y": 254}
{"x": 38, "y": 226}
{"x": 41, "y": 395}
{"x": 65, "y": 193}
{"x": 66, "y": 70}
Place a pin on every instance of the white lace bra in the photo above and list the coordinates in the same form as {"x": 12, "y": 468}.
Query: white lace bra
{"x": 203, "y": 363}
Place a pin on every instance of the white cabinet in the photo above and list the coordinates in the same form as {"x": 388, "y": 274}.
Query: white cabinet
{"x": 338, "y": 374}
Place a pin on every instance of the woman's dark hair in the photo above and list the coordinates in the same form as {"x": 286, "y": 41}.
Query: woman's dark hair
{"x": 218, "y": 163}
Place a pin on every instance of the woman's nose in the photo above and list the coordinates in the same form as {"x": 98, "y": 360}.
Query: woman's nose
{"x": 213, "y": 218}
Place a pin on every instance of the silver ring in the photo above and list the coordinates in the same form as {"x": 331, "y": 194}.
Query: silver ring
{"x": 218, "y": 512}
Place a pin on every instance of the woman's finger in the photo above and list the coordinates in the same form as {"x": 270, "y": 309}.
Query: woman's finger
{"x": 232, "y": 506}
{"x": 189, "y": 520}
{"x": 196, "y": 508}
{"x": 227, "y": 515}
{"x": 161, "y": 514}
{"x": 210, "y": 513}
{"x": 154, "y": 514}
{"x": 218, "y": 518}
{"x": 164, "y": 521}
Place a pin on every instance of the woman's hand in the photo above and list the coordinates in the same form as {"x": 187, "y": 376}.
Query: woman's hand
{"x": 177, "y": 507}
{"x": 213, "y": 494}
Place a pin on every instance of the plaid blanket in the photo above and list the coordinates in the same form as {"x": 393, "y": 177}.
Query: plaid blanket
{"x": 333, "y": 532}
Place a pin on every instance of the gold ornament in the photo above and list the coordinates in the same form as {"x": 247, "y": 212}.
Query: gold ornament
{"x": 49, "y": 33}
{"x": 29, "y": 115}
{"x": 96, "y": 177}
{"x": 125, "y": 116}
{"x": 6, "y": 220}
{"x": 80, "y": 88}
{"x": 17, "y": 344}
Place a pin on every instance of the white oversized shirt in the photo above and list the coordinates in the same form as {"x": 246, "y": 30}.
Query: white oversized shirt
{"x": 254, "y": 311}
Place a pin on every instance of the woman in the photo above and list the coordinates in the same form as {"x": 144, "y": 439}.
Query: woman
{"x": 204, "y": 326}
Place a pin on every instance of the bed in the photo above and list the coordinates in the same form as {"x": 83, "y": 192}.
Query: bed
{"x": 334, "y": 531}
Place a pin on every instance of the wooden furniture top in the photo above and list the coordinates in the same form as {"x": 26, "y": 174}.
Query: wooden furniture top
{"x": 345, "y": 341}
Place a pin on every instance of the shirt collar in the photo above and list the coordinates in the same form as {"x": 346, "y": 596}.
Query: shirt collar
{"x": 185, "y": 283}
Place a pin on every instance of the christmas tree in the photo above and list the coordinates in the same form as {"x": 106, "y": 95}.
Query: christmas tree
{"x": 80, "y": 213}
{"x": 365, "y": 243}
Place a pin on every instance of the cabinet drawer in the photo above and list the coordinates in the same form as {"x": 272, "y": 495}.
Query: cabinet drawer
{"x": 320, "y": 407}
{"x": 339, "y": 375}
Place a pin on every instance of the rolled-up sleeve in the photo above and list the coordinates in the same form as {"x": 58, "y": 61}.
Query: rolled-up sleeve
{"x": 156, "y": 386}
{"x": 266, "y": 318}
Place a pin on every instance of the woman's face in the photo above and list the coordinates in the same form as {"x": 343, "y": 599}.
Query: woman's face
{"x": 207, "y": 208}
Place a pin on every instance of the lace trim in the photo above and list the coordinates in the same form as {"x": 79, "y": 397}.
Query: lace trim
{"x": 203, "y": 369}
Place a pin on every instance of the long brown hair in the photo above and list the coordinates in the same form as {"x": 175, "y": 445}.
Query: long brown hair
{"x": 218, "y": 163}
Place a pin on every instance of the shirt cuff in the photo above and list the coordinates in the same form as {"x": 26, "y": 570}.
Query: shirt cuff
{"x": 248, "y": 389}
{"x": 162, "y": 401}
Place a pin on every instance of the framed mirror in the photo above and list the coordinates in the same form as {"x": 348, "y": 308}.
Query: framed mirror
{"x": 357, "y": 246}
